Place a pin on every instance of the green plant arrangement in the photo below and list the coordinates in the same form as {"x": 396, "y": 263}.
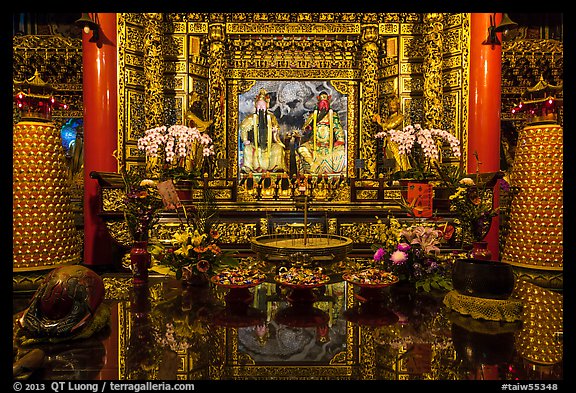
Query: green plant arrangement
{"x": 472, "y": 199}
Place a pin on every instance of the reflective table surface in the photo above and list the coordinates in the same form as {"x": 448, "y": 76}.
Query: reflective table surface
{"x": 166, "y": 331}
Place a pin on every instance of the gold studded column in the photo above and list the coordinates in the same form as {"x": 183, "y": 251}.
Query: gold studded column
{"x": 44, "y": 234}
{"x": 534, "y": 245}
{"x": 542, "y": 316}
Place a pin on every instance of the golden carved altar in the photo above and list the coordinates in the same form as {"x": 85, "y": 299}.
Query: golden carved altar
{"x": 166, "y": 58}
{"x": 215, "y": 61}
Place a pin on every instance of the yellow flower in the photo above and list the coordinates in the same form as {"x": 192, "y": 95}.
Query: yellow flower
{"x": 457, "y": 194}
{"x": 183, "y": 250}
{"x": 181, "y": 237}
{"x": 147, "y": 183}
{"x": 198, "y": 238}
{"x": 156, "y": 250}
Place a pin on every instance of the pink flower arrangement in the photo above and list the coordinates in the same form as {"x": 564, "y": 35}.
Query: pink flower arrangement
{"x": 414, "y": 258}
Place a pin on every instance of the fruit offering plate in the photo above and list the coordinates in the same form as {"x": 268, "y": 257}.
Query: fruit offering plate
{"x": 239, "y": 278}
{"x": 371, "y": 278}
{"x": 301, "y": 278}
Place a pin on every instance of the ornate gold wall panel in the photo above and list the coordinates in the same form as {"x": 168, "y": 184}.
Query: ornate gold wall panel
{"x": 153, "y": 70}
{"x": 432, "y": 68}
{"x": 59, "y": 62}
{"x": 216, "y": 54}
{"x": 524, "y": 61}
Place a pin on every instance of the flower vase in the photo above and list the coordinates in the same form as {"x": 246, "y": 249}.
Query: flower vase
{"x": 481, "y": 251}
{"x": 140, "y": 262}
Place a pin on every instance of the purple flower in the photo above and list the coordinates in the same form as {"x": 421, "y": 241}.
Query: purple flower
{"x": 398, "y": 257}
{"x": 379, "y": 254}
{"x": 403, "y": 247}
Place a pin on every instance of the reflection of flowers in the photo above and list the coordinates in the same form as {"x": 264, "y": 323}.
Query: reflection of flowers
{"x": 176, "y": 152}
{"x": 412, "y": 255}
{"x": 421, "y": 147}
{"x": 420, "y": 320}
{"x": 184, "y": 320}
{"x": 177, "y": 332}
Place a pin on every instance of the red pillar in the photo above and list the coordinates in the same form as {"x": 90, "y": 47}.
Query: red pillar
{"x": 484, "y": 109}
{"x": 100, "y": 131}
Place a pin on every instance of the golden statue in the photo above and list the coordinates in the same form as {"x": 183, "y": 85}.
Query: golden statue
{"x": 263, "y": 149}
{"x": 195, "y": 113}
{"x": 322, "y": 149}
{"x": 393, "y": 122}
{"x": 267, "y": 186}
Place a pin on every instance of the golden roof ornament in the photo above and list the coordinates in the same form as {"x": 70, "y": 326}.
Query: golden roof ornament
{"x": 541, "y": 102}
{"x": 35, "y": 98}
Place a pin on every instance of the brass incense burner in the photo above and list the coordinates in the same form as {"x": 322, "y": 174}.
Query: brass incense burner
{"x": 315, "y": 249}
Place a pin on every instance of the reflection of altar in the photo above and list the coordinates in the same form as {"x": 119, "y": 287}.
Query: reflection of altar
{"x": 273, "y": 340}
{"x": 171, "y": 334}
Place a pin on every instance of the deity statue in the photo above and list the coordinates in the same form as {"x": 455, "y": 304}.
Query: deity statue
{"x": 322, "y": 145}
{"x": 393, "y": 122}
{"x": 262, "y": 146}
{"x": 195, "y": 116}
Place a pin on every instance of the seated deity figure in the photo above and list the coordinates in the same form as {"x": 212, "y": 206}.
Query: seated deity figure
{"x": 263, "y": 150}
{"x": 322, "y": 145}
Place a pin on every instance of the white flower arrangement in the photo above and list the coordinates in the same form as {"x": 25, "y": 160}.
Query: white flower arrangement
{"x": 176, "y": 150}
{"x": 418, "y": 150}
{"x": 426, "y": 138}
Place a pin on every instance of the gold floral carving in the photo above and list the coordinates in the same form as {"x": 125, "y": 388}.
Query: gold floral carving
{"x": 197, "y": 27}
{"x": 264, "y": 226}
{"x": 361, "y": 232}
{"x": 164, "y": 230}
{"x": 432, "y": 68}
{"x": 367, "y": 195}
{"x": 370, "y": 99}
{"x": 118, "y": 230}
{"x": 118, "y": 288}
{"x": 332, "y": 226}
{"x": 367, "y": 355}
{"x": 342, "y": 193}
{"x": 112, "y": 199}
{"x": 217, "y": 83}
{"x": 231, "y": 232}
{"x": 153, "y": 70}
{"x": 293, "y": 28}
{"x": 287, "y": 229}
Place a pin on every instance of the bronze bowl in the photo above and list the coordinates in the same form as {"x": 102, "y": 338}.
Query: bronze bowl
{"x": 318, "y": 249}
{"x": 483, "y": 279}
